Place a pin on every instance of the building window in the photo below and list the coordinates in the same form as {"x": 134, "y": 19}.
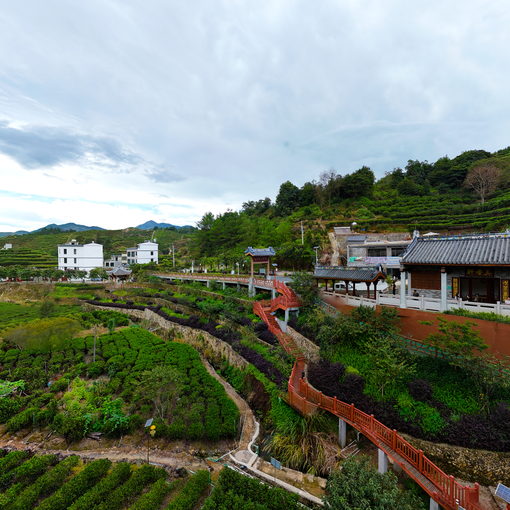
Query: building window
{"x": 376, "y": 252}
{"x": 152, "y": 253}
{"x": 65, "y": 260}
{"x": 65, "y": 251}
{"x": 397, "y": 252}
{"x": 74, "y": 251}
{"x": 75, "y": 261}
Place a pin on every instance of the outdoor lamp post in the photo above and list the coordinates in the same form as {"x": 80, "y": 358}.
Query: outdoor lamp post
{"x": 275, "y": 268}
{"x": 316, "y": 248}
{"x": 152, "y": 433}
{"x": 237, "y": 264}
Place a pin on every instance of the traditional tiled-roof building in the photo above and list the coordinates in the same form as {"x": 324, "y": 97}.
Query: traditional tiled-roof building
{"x": 473, "y": 267}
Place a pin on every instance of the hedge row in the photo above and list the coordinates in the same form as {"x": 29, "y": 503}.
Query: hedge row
{"x": 118, "y": 475}
{"x": 154, "y": 496}
{"x": 128, "y": 491}
{"x": 45, "y": 485}
{"x": 191, "y": 492}
{"x": 234, "y": 490}
{"x": 76, "y": 486}
{"x": 22, "y": 476}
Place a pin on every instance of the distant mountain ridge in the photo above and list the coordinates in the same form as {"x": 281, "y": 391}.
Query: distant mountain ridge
{"x": 17, "y": 233}
{"x": 66, "y": 227}
{"x": 151, "y": 224}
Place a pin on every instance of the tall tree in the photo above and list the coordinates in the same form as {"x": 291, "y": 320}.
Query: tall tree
{"x": 483, "y": 179}
{"x": 359, "y": 183}
{"x": 288, "y": 198}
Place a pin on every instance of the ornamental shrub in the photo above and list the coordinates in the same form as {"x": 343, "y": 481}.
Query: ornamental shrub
{"x": 22, "y": 420}
{"x": 9, "y": 407}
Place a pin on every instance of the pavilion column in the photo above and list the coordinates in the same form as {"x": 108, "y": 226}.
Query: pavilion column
{"x": 346, "y": 287}
{"x": 409, "y": 285}
{"x": 267, "y": 271}
{"x": 368, "y": 289}
{"x": 444, "y": 290}
{"x": 433, "y": 505}
{"x": 375, "y": 289}
{"x": 251, "y": 266}
{"x": 342, "y": 432}
{"x": 382, "y": 462}
{"x": 353, "y": 288}
{"x": 403, "y": 276}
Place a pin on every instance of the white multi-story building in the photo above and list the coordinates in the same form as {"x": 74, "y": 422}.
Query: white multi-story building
{"x": 143, "y": 253}
{"x": 83, "y": 257}
{"x": 116, "y": 260}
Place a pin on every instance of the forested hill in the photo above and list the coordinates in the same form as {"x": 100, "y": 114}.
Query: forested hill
{"x": 470, "y": 192}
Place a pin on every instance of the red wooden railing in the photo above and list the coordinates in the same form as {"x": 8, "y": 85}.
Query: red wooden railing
{"x": 305, "y": 398}
{"x": 259, "y": 282}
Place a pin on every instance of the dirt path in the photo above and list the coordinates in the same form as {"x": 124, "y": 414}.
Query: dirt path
{"x": 165, "y": 458}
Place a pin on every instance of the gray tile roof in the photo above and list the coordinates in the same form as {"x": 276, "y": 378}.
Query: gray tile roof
{"x": 120, "y": 271}
{"x": 260, "y": 252}
{"x": 359, "y": 274}
{"x": 477, "y": 249}
{"x": 356, "y": 239}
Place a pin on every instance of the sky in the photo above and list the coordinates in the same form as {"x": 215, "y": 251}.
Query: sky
{"x": 114, "y": 112}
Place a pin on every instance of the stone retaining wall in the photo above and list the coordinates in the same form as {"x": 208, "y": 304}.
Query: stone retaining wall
{"x": 484, "y": 467}
{"x": 309, "y": 349}
{"x": 211, "y": 347}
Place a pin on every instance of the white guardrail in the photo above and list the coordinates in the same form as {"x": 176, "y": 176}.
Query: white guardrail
{"x": 422, "y": 303}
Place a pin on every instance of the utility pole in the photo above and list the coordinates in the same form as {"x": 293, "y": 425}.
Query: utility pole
{"x": 302, "y": 233}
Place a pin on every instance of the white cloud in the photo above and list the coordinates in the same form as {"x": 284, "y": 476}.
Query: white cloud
{"x": 222, "y": 101}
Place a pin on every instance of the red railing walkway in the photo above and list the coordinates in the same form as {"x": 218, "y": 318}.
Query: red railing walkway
{"x": 303, "y": 397}
{"x": 443, "y": 489}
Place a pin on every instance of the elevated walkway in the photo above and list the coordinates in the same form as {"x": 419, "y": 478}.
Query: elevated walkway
{"x": 443, "y": 490}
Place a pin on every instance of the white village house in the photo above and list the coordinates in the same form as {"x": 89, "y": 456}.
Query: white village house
{"x": 83, "y": 257}
{"x": 143, "y": 253}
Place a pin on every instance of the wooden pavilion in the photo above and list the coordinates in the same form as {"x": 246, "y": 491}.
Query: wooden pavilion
{"x": 260, "y": 256}
{"x": 119, "y": 273}
{"x": 350, "y": 275}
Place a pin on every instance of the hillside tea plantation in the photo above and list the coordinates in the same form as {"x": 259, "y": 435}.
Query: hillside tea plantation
{"x": 136, "y": 375}
{"x": 48, "y": 482}
{"x": 13, "y": 314}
